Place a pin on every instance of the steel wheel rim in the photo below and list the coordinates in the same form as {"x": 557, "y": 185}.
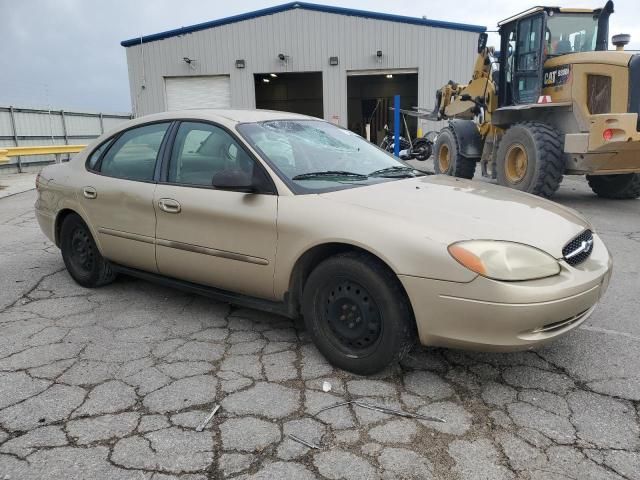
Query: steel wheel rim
{"x": 350, "y": 318}
{"x": 516, "y": 163}
{"x": 444, "y": 158}
{"x": 82, "y": 251}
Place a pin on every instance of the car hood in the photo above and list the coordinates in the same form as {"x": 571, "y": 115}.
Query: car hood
{"x": 449, "y": 209}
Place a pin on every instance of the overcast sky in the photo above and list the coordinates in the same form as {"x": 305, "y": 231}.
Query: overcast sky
{"x": 67, "y": 53}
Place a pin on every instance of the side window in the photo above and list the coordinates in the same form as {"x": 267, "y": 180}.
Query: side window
{"x": 507, "y": 63}
{"x": 529, "y": 32}
{"x": 92, "y": 161}
{"x": 529, "y": 49}
{"x": 203, "y": 153}
{"x": 133, "y": 155}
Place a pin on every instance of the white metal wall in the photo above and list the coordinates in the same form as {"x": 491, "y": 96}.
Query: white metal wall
{"x": 309, "y": 38}
{"x": 34, "y": 127}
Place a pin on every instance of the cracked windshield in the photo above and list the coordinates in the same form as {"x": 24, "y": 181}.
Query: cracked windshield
{"x": 317, "y": 156}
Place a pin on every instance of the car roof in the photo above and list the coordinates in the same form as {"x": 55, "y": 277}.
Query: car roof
{"x": 225, "y": 116}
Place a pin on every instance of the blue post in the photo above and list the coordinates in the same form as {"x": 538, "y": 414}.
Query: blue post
{"x": 396, "y": 125}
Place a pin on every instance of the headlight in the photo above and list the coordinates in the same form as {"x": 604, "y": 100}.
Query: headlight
{"x": 504, "y": 260}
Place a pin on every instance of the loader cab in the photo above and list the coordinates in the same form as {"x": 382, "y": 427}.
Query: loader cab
{"x": 528, "y": 39}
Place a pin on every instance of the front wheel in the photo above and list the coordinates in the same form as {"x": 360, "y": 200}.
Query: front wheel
{"x": 357, "y": 313}
{"x": 622, "y": 187}
{"x": 447, "y": 159}
{"x": 81, "y": 256}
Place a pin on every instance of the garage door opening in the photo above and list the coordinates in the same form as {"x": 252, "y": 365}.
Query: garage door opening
{"x": 370, "y": 97}
{"x": 290, "y": 92}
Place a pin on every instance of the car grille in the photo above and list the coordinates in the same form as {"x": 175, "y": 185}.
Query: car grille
{"x": 578, "y": 249}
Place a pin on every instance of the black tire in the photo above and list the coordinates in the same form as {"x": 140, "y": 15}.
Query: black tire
{"x": 388, "y": 144}
{"x": 357, "y": 313}
{"x": 447, "y": 159}
{"x": 621, "y": 187}
{"x": 84, "y": 262}
{"x": 542, "y": 172}
{"x": 421, "y": 149}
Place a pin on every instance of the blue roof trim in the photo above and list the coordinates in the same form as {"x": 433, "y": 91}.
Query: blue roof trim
{"x": 305, "y": 6}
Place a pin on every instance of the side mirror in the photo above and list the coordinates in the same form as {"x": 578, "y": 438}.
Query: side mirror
{"x": 482, "y": 41}
{"x": 235, "y": 180}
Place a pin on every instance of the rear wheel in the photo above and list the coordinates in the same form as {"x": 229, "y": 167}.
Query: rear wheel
{"x": 530, "y": 159}
{"x": 81, "y": 256}
{"x": 626, "y": 186}
{"x": 357, "y": 314}
{"x": 447, "y": 159}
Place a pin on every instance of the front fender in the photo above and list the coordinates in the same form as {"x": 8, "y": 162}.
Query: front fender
{"x": 468, "y": 137}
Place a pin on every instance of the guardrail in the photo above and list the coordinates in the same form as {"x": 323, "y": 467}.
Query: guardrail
{"x": 56, "y": 150}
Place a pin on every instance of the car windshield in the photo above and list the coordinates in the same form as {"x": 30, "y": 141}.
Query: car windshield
{"x": 314, "y": 156}
{"x": 571, "y": 33}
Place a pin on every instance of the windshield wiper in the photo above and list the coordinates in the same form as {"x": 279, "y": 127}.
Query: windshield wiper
{"x": 330, "y": 173}
{"x": 395, "y": 171}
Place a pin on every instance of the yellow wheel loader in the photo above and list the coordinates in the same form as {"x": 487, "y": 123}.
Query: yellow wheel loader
{"x": 553, "y": 101}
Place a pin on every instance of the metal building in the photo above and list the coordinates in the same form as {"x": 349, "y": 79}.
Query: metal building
{"x": 336, "y": 63}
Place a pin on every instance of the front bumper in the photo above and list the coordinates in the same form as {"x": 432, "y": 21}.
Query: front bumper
{"x": 486, "y": 314}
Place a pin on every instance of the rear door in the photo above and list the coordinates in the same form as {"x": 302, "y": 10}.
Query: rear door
{"x": 221, "y": 238}
{"x": 118, "y": 194}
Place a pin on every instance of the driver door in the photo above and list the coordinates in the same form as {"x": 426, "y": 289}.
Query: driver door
{"x": 527, "y": 74}
{"x": 221, "y": 238}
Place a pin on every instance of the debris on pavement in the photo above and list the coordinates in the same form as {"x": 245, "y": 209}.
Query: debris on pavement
{"x": 303, "y": 442}
{"x": 387, "y": 410}
{"x": 326, "y": 386}
{"x": 202, "y": 426}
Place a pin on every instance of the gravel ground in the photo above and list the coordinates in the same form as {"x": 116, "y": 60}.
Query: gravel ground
{"x": 112, "y": 383}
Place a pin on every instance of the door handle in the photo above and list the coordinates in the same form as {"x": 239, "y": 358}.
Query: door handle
{"x": 169, "y": 205}
{"x": 89, "y": 192}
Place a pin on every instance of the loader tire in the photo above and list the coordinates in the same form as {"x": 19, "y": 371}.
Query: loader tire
{"x": 620, "y": 187}
{"x": 447, "y": 159}
{"x": 530, "y": 159}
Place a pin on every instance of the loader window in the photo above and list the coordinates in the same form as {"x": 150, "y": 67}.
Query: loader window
{"x": 527, "y": 81}
{"x": 529, "y": 44}
{"x": 571, "y": 32}
{"x": 507, "y": 56}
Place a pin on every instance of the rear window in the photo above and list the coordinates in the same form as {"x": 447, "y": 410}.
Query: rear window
{"x": 133, "y": 154}
{"x": 93, "y": 159}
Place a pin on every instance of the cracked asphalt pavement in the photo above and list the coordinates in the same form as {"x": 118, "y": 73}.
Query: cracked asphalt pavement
{"x": 112, "y": 383}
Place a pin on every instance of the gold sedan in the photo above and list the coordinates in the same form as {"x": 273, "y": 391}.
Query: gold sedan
{"x": 297, "y": 216}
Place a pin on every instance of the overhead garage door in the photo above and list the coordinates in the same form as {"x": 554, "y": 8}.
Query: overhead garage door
{"x": 198, "y": 92}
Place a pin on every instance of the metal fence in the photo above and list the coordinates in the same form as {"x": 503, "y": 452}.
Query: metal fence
{"x": 22, "y": 127}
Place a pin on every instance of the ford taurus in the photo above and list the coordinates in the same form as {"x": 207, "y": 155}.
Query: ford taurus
{"x": 297, "y": 216}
